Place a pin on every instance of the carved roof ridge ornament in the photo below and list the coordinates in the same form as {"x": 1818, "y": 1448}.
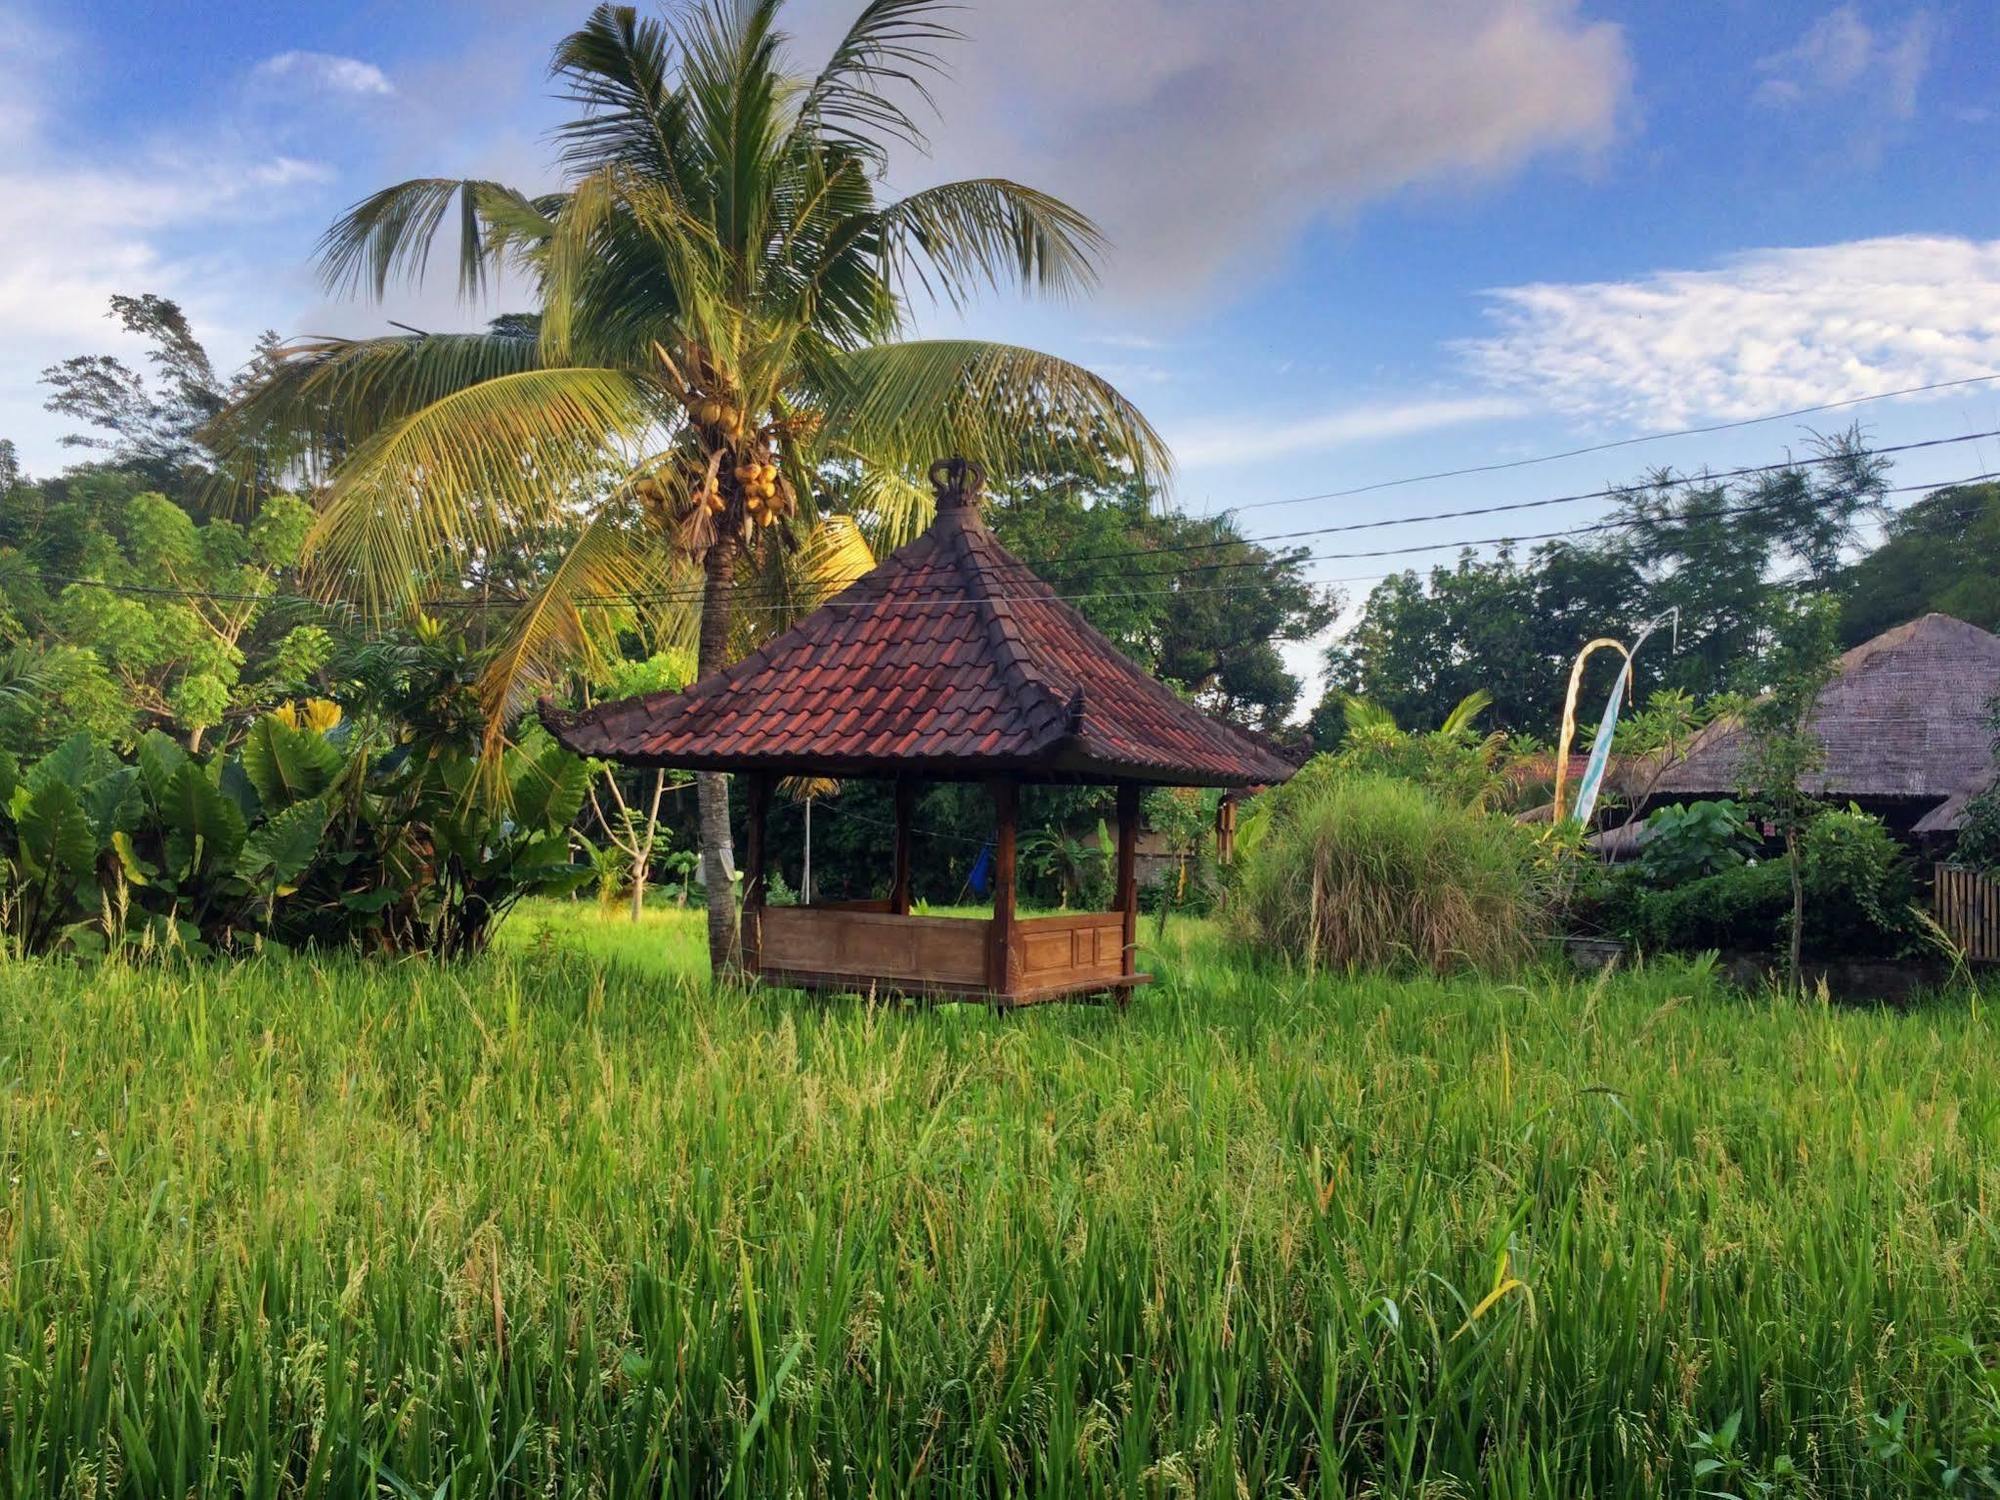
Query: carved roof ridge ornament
{"x": 958, "y": 483}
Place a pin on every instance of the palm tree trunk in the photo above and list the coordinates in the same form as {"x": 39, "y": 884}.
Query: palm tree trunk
{"x": 718, "y": 596}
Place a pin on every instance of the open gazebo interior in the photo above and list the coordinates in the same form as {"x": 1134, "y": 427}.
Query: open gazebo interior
{"x": 949, "y": 661}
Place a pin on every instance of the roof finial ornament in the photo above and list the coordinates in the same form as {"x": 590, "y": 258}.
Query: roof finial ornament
{"x": 957, "y": 482}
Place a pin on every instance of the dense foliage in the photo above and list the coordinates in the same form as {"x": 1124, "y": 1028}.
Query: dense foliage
{"x": 1731, "y": 555}
{"x": 1371, "y": 871}
{"x": 1978, "y": 843}
{"x": 1936, "y": 556}
{"x": 306, "y": 834}
{"x": 1187, "y": 597}
{"x": 1697, "y": 885}
{"x": 573, "y": 1220}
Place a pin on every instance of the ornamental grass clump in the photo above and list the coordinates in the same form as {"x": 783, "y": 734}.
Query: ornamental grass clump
{"x": 1372, "y": 872}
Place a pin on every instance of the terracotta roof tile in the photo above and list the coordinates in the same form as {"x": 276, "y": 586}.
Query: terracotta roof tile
{"x": 950, "y": 658}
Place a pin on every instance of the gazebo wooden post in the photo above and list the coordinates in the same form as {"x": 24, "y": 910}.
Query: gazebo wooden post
{"x": 1000, "y": 932}
{"x": 757, "y": 790}
{"x": 899, "y": 882}
{"x": 1128, "y": 878}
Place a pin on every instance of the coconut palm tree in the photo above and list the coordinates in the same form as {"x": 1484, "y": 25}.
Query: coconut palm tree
{"x": 723, "y": 288}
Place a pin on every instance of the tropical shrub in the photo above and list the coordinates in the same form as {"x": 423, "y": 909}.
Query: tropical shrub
{"x": 1373, "y": 871}
{"x": 1454, "y": 760}
{"x": 1687, "y": 842}
{"x": 1978, "y": 845}
{"x": 1859, "y": 898}
{"x": 307, "y": 835}
{"x": 1741, "y": 908}
{"x": 131, "y": 646}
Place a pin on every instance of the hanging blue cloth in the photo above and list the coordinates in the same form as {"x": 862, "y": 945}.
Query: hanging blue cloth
{"x": 981, "y": 878}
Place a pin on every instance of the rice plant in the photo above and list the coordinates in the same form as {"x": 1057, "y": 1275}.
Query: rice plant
{"x": 566, "y": 1220}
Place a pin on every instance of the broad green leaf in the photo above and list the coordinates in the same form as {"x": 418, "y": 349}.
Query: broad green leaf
{"x": 287, "y": 765}
{"x": 159, "y": 757}
{"x": 115, "y": 802}
{"x": 206, "y": 829}
{"x": 137, "y": 871}
{"x": 281, "y": 848}
{"x": 10, "y": 776}
{"x": 56, "y": 839}
{"x": 549, "y": 789}
{"x": 77, "y": 762}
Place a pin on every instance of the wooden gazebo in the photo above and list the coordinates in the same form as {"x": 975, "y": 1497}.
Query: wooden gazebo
{"x": 949, "y": 661}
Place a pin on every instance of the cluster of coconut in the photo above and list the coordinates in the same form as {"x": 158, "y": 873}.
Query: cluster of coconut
{"x": 766, "y": 496}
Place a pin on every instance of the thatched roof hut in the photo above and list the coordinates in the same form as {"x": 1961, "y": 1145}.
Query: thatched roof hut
{"x": 1904, "y": 722}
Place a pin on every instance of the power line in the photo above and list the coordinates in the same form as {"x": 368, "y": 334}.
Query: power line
{"x": 1650, "y": 437}
{"x": 619, "y": 600}
{"x": 1608, "y": 493}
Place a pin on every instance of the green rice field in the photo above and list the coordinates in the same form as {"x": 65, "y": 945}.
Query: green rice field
{"x": 569, "y": 1220}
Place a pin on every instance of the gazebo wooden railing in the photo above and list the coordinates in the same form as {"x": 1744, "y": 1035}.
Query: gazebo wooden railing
{"x": 949, "y": 661}
{"x": 882, "y": 946}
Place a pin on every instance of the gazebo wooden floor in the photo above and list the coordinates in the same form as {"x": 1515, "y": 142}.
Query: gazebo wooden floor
{"x": 866, "y": 948}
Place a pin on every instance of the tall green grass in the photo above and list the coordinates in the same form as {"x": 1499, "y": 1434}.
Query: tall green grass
{"x": 568, "y": 1221}
{"x": 1373, "y": 871}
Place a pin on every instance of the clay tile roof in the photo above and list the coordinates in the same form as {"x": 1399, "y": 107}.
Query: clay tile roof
{"x": 949, "y": 659}
{"x": 1905, "y": 717}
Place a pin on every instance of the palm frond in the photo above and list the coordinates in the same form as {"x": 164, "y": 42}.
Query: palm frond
{"x": 1364, "y": 717}
{"x": 892, "y": 44}
{"x": 1465, "y": 712}
{"x": 832, "y": 556}
{"x": 321, "y": 397}
{"x": 388, "y": 235}
{"x": 630, "y": 265}
{"x": 986, "y": 232}
{"x": 902, "y": 405}
{"x": 469, "y": 471}
{"x": 574, "y": 618}
{"x": 620, "y": 69}
{"x": 732, "y": 79}
{"x": 891, "y": 507}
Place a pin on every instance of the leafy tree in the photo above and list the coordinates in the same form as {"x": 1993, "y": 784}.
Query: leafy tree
{"x": 1186, "y": 597}
{"x": 1499, "y": 626}
{"x": 630, "y": 821}
{"x": 1781, "y": 749}
{"x": 150, "y": 427}
{"x": 721, "y": 288}
{"x": 1731, "y": 556}
{"x": 162, "y": 629}
{"x": 1938, "y": 555}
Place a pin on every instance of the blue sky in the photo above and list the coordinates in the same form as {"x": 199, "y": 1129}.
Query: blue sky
{"x": 1353, "y": 241}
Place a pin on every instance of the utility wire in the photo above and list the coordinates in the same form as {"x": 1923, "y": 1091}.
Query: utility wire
{"x": 1608, "y": 493}
{"x": 620, "y": 600}
{"x": 1650, "y": 437}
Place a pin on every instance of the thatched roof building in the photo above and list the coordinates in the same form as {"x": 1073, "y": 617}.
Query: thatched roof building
{"x": 1905, "y": 724}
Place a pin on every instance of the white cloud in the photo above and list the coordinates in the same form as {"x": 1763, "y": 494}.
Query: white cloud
{"x": 170, "y": 217}
{"x": 323, "y": 70}
{"x": 1206, "y": 137}
{"x": 1840, "y": 54}
{"x": 1240, "y": 440}
{"x": 1767, "y": 330}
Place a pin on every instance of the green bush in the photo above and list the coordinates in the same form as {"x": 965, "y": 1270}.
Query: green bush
{"x": 1682, "y": 843}
{"x": 301, "y": 837}
{"x": 1860, "y": 889}
{"x": 1372, "y": 871}
{"x": 1742, "y": 908}
{"x": 1859, "y": 898}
